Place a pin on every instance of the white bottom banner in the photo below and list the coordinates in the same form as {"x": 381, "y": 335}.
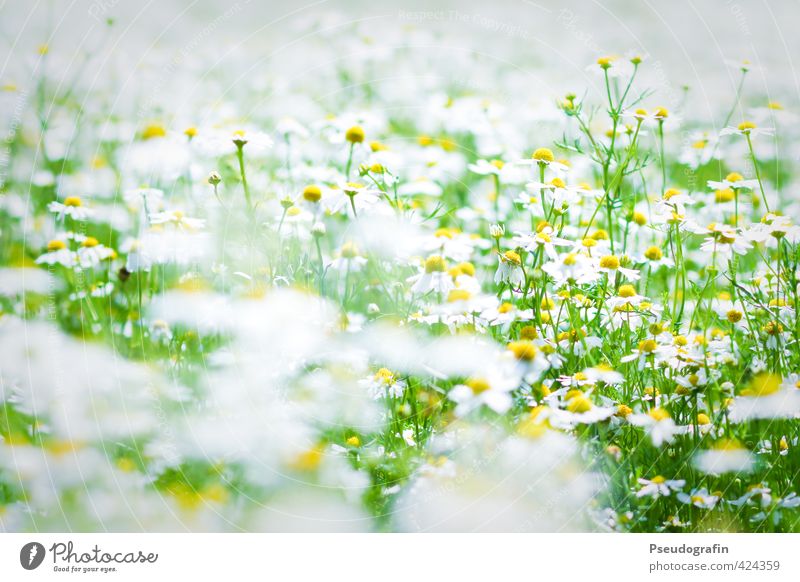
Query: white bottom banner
{"x": 389, "y": 557}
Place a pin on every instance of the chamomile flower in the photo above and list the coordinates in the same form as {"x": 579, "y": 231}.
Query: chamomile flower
{"x": 347, "y": 195}
{"x": 492, "y": 390}
{"x": 658, "y": 425}
{"x": 699, "y": 498}
{"x": 733, "y": 181}
{"x": 567, "y": 267}
{"x": 349, "y": 259}
{"x": 766, "y": 397}
{"x": 72, "y": 206}
{"x": 747, "y": 128}
{"x": 722, "y": 241}
{"x": 772, "y": 230}
{"x": 726, "y": 456}
{"x": 384, "y": 383}
{"x": 509, "y": 269}
{"x": 487, "y": 167}
{"x": 544, "y": 158}
{"x": 58, "y": 253}
{"x": 433, "y": 277}
{"x": 177, "y": 219}
{"x": 658, "y": 486}
{"x": 91, "y": 252}
{"x": 544, "y": 239}
{"x": 612, "y": 264}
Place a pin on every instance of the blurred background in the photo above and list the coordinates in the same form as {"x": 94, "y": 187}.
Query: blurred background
{"x": 158, "y": 48}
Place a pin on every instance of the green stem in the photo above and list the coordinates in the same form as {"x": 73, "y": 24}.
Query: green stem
{"x": 240, "y": 157}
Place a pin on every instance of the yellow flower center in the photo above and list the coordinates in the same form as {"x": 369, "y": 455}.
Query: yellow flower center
{"x": 648, "y": 346}
{"x": 312, "y": 193}
{"x": 763, "y": 385}
{"x": 726, "y": 195}
{"x": 734, "y": 315}
{"x": 653, "y": 253}
{"x": 609, "y": 262}
{"x": 467, "y": 269}
{"x": 505, "y": 307}
{"x": 435, "y": 264}
{"x": 72, "y": 201}
{"x": 349, "y": 251}
{"x": 153, "y": 130}
{"x": 385, "y": 375}
{"x": 458, "y": 295}
{"x": 627, "y": 291}
{"x": 658, "y": 414}
{"x": 512, "y": 257}
{"x": 728, "y": 445}
{"x": 377, "y": 146}
{"x": 579, "y": 404}
{"x": 543, "y": 155}
{"x": 734, "y": 177}
{"x": 478, "y": 385}
{"x": 605, "y": 62}
{"x": 523, "y": 350}
{"x": 355, "y": 134}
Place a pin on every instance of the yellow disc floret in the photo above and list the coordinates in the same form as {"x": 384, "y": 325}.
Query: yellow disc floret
{"x": 543, "y": 155}
{"x": 312, "y": 193}
{"x": 435, "y": 264}
{"x": 355, "y": 134}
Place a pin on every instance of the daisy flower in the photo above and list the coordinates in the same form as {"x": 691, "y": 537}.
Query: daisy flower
{"x": 658, "y": 425}
{"x": 349, "y": 259}
{"x": 58, "y": 254}
{"x": 492, "y": 390}
{"x": 356, "y": 195}
{"x": 91, "y": 252}
{"x": 509, "y": 269}
{"x": 434, "y": 277}
{"x": 72, "y": 207}
{"x": 747, "y": 128}
{"x": 544, "y": 158}
{"x": 544, "y": 239}
{"x": 699, "y": 498}
{"x": 611, "y": 265}
{"x": 727, "y": 456}
{"x": 658, "y": 486}
{"x": 733, "y": 181}
{"x": 178, "y": 219}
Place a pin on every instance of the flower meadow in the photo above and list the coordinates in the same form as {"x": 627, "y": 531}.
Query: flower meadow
{"x": 284, "y": 304}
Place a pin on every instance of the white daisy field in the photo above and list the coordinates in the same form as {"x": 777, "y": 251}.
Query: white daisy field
{"x": 380, "y": 267}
